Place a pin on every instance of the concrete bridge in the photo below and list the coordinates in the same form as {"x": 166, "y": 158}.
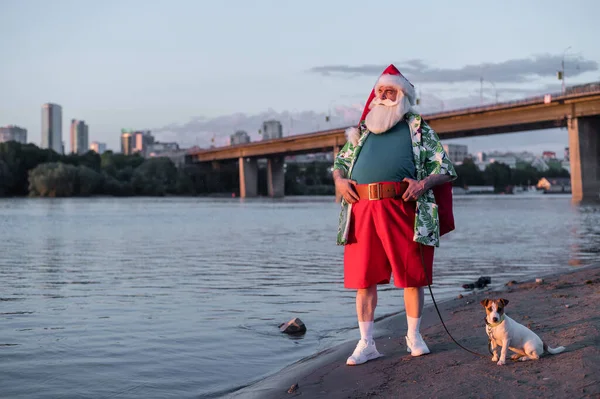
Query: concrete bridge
{"x": 578, "y": 109}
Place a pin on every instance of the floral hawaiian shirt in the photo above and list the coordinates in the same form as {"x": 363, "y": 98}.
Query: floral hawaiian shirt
{"x": 430, "y": 159}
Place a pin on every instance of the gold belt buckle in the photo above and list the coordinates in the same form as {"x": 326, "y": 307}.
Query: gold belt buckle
{"x": 378, "y": 190}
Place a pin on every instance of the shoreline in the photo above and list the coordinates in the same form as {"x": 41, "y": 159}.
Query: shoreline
{"x": 324, "y": 374}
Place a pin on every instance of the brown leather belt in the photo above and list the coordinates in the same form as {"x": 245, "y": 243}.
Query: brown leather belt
{"x": 377, "y": 191}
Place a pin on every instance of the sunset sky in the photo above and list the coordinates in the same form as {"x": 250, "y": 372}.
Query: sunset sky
{"x": 190, "y": 70}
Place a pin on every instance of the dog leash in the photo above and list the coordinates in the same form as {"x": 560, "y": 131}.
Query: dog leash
{"x": 438, "y": 310}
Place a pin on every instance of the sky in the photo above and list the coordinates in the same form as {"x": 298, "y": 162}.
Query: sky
{"x": 191, "y": 70}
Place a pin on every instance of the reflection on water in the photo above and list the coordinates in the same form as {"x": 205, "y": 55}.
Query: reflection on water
{"x": 182, "y": 297}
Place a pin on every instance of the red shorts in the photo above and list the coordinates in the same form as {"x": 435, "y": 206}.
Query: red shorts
{"x": 380, "y": 243}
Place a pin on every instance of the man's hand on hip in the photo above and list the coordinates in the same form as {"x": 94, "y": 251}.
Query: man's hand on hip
{"x": 345, "y": 187}
{"x": 415, "y": 189}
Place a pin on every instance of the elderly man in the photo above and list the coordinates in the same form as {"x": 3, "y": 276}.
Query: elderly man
{"x": 389, "y": 221}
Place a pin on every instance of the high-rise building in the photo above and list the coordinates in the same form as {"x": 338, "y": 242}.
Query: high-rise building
{"x": 239, "y": 137}
{"x": 456, "y": 152}
{"x": 52, "y": 127}
{"x": 159, "y": 147}
{"x": 13, "y": 133}
{"x": 99, "y": 148}
{"x": 79, "y": 137}
{"x": 136, "y": 142}
{"x": 126, "y": 142}
{"x": 272, "y": 130}
{"x": 142, "y": 142}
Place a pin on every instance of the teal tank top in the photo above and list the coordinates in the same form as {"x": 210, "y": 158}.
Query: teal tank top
{"x": 386, "y": 157}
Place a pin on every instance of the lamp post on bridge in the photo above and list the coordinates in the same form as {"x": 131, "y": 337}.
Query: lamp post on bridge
{"x": 495, "y": 90}
{"x": 328, "y": 116}
{"x": 481, "y": 90}
{"x": 561, "y": 73}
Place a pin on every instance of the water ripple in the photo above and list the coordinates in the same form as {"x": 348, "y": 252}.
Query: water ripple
{"x": 180, "y": 297}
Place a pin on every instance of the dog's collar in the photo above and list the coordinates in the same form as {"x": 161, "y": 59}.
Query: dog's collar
{"x": 492, "y": 325}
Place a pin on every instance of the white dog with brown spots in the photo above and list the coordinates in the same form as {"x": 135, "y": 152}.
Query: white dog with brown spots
{"x": 506, "y": 333}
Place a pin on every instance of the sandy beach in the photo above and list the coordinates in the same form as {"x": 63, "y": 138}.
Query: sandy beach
{"x": 562, "y": 310}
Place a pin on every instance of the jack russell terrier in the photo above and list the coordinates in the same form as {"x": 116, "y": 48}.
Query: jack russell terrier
{"x": 506, "y": 333}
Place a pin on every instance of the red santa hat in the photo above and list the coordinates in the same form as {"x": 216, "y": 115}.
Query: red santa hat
{"x": 391, "y": 76}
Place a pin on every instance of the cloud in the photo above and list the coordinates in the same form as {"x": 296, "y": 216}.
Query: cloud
{"x": 510, "y": 80}
{"x": 200, "y": 131}
{"x": 511, "y": 71}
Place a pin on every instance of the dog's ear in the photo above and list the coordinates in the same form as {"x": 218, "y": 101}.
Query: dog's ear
{"x": 485, "y": 302}
{"x": 503, "y": 301}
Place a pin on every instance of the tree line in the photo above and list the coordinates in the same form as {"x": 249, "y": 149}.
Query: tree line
{"x": 501, "y": 176}
{"x": 26, "y": 169}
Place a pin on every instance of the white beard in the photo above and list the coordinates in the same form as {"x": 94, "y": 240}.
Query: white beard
{"x": 385, "y": 114}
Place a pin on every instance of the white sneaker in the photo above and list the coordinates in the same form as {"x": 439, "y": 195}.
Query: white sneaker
{"x": 364, "y": 352}
{"x": 416, "y": 346}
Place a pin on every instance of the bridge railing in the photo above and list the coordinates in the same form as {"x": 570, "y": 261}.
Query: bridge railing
{"x": 572, "y": 91}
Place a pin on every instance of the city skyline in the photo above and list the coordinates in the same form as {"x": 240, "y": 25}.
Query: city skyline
{"x": 167, "y": 78}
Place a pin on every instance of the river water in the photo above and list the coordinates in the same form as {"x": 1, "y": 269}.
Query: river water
{"x": 181, "y": 297}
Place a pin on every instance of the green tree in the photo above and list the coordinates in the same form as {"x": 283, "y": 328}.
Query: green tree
{"x": 92, "y": 160}
{"x": 156, "y": 176}
{"x": 6, "y": 179}
{"x": 53, "y": 179}
{"x": 498, "y": 175}
{"x": 89, "y": 181}
{"x": 468, "y": 174}
{"x": 20, "y": 159}
{"x": 525, "y": 175}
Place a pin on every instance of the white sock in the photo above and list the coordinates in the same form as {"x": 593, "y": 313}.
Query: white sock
{"x": 366, "y": 330}
{"x": 413, "y": 326}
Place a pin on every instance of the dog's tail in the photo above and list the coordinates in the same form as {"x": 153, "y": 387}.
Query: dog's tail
{"x": 553, "y": 351}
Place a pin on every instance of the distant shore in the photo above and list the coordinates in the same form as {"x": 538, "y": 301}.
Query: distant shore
{"x": 563, "y": 310}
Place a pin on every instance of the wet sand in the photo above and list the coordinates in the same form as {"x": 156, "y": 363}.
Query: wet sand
{"x": 563, "y": 310}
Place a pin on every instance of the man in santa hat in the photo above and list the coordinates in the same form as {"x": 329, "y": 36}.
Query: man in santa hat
{"x": 387, "y": 174}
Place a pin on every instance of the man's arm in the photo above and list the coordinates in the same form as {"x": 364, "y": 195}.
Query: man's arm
{"x": 338, "y": 174}
{"x": 344, "y": 186}
{"x": 417, "y": 188}
{"x": 438, "y": 167}
{"x": 341, "y": 163}
{"x": 435, "y": 180}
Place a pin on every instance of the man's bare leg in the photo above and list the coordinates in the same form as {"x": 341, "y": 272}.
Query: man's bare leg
{"x": 366, "y": 302}
{"x": 414, "y": 298}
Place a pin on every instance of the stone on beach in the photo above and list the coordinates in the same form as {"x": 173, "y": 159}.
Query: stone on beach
{"x": 481, "y": 282}
{"x": 294, "y": 326}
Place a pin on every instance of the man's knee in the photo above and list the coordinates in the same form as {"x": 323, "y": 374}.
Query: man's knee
{"x": 367, "y": 292}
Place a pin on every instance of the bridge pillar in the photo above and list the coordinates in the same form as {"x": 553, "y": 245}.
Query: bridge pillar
{"x": 276, "y": 176}
{"x": 248, "y": 177}
{"x": 584, "y": 153}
